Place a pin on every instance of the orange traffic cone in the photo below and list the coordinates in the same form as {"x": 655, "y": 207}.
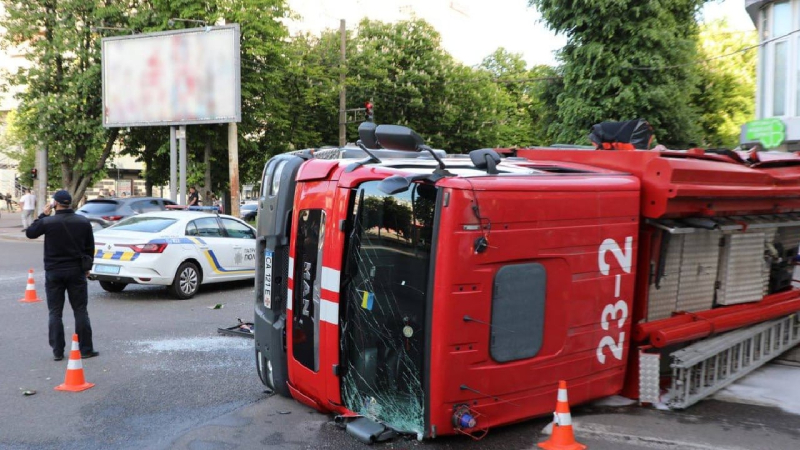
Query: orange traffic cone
{"x": 562, "y": 437}
{"x": 74, "y": 381}
{"x": 30, "y": 290}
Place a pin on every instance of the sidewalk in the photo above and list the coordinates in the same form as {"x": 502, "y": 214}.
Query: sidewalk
{"x": 11, "y": 226}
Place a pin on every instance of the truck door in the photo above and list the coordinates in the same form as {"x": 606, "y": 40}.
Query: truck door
{"x": 275, "y": 208}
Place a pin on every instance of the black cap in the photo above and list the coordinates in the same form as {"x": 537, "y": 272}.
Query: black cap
{"x": 62, "y": 197}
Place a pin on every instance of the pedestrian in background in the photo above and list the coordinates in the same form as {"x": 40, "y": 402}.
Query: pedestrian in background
{"x": 68, "y": 256}
{"x": 9, "y": 205}
{"x": 194, "y": 198}
{"x": 28, "y": 203}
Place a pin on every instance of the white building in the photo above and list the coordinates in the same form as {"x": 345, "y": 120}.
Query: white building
{"x": 778, "y": 74}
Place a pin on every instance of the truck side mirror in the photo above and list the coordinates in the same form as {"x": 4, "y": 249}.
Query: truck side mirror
{"x": 485, "y": 159}
{"x": 366, "y": 133}
{"x": 394, "y": 184}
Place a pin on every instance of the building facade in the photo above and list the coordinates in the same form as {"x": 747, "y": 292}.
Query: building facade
{"x": 778, "y": 72}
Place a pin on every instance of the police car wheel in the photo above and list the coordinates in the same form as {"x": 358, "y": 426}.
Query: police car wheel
{"x": 186, "y": 282}
{"x": 111, "y": 286}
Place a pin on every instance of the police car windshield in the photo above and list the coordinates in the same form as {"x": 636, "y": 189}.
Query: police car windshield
{"x": 144, "y": 224}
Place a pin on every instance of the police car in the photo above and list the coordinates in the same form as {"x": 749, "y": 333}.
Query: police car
{"x": 177, "y": 249}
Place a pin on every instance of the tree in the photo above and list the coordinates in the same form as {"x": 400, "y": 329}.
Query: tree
{"x": 263, "y": 60}
{"x": 727, "y": 84}
{"x": 403, "y": 69}
{"x": 61, "y": 106}
{"x": 626, "y": 59}
{"x": 509, "y": 72}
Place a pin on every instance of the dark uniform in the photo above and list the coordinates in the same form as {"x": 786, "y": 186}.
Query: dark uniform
{"x": 63, "y": 272}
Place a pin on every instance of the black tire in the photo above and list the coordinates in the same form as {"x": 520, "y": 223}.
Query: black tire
{"x": 187, "y": 281}
{"x": 112, "y": 286}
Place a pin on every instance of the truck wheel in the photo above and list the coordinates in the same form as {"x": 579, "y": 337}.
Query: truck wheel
{"x": 112, "y": 286}
{"x": 187, "y": 281}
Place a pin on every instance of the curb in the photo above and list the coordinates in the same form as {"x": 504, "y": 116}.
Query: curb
{"x": 610, "y": 434}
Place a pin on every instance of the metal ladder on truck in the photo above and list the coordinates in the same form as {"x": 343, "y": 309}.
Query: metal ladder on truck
{"x": 707, "y": 366}
{"x": 704, "y": 368}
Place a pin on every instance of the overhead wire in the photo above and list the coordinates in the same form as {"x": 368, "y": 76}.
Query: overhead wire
{"x": 725, "y": 55}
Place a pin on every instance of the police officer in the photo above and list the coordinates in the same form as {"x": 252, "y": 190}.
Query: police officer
{"x": 67, "y": 238}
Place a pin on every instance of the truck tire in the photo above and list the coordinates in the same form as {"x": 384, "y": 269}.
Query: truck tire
{"x": 187, "y": 281}
{"x": 112, "y": 286}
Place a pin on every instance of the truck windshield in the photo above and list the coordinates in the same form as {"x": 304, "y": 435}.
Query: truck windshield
{"x": 384, "y": 304}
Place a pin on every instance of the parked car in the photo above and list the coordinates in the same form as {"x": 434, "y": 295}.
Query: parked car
{"x": 177, "y": 249}
{"x": 104, "y": 212}
{"x": 248, "y": 211}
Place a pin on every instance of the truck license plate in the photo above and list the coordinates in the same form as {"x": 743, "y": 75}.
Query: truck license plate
{"x": 104, "y": 268}
{"x": 268, "y": 279}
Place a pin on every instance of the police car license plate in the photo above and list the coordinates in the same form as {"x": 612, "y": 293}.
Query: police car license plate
{"x": 105, "y": 268}
{"x": 268, "y": 279}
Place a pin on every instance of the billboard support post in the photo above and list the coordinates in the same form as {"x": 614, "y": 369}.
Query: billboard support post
{"x": 233, "y": 165}
{"x": 184, "y": 159}
{"x": 173, "y": 166}
{"x": 40, "y": 184}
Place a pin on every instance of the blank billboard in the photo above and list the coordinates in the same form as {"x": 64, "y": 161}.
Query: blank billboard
{"x": 172, "y": 78}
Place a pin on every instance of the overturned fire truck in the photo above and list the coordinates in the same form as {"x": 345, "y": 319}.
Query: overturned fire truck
{"x": 409, "y": 291}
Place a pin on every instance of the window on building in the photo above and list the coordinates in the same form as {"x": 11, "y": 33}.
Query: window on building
{"x": 782, "y": 19}
{"x": 777, "y": 88}
{"x": 781, "y": 65}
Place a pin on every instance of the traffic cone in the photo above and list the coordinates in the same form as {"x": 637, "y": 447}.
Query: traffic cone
{"x": 562, "y": 437}
{"x": 74, "y": 381}
{"x": 30, "y": 290}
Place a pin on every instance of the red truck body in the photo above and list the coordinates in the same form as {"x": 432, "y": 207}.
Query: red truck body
{"x": 475, "y": 292}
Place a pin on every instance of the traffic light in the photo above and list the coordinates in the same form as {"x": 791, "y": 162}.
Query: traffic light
{"x": 34, "y": 172}
{"x": 368, "y": 108}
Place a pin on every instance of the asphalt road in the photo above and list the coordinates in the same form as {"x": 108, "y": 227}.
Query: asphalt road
{"x": 165, "y": 379}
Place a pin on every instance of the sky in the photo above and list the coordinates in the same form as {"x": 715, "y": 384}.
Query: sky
{"x": 473, "y": 29}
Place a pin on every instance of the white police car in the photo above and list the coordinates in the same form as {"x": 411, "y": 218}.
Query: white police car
{"x": 178, "y": 249}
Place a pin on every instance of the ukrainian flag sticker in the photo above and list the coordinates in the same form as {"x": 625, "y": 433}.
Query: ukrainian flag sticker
{"x": 367, "y": 299}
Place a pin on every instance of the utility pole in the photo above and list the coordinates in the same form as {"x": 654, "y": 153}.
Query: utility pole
{"x": 233, "y": 168}
{"x": 181, "y": 135}
{"x": 342, "y": 91}
{"x": 173, "y": 165}
{"x": 40, "y": 183}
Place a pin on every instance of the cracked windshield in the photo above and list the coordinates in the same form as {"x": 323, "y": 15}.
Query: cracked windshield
{"x": 386, "y": 279}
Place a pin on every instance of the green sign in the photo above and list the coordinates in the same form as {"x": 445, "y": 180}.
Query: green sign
{"x": 769, "y": 132}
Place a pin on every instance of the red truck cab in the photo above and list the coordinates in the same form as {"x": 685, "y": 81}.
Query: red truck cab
{"x": 434, "y": 295}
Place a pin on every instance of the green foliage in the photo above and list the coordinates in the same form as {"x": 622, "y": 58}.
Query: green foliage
{"x": 263, "y": 48}
{"x": 61, "y": 108}
{"x": 626, "y": 59}
{"x": 404, "y": 71}
{"x": 726, "y": 94}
